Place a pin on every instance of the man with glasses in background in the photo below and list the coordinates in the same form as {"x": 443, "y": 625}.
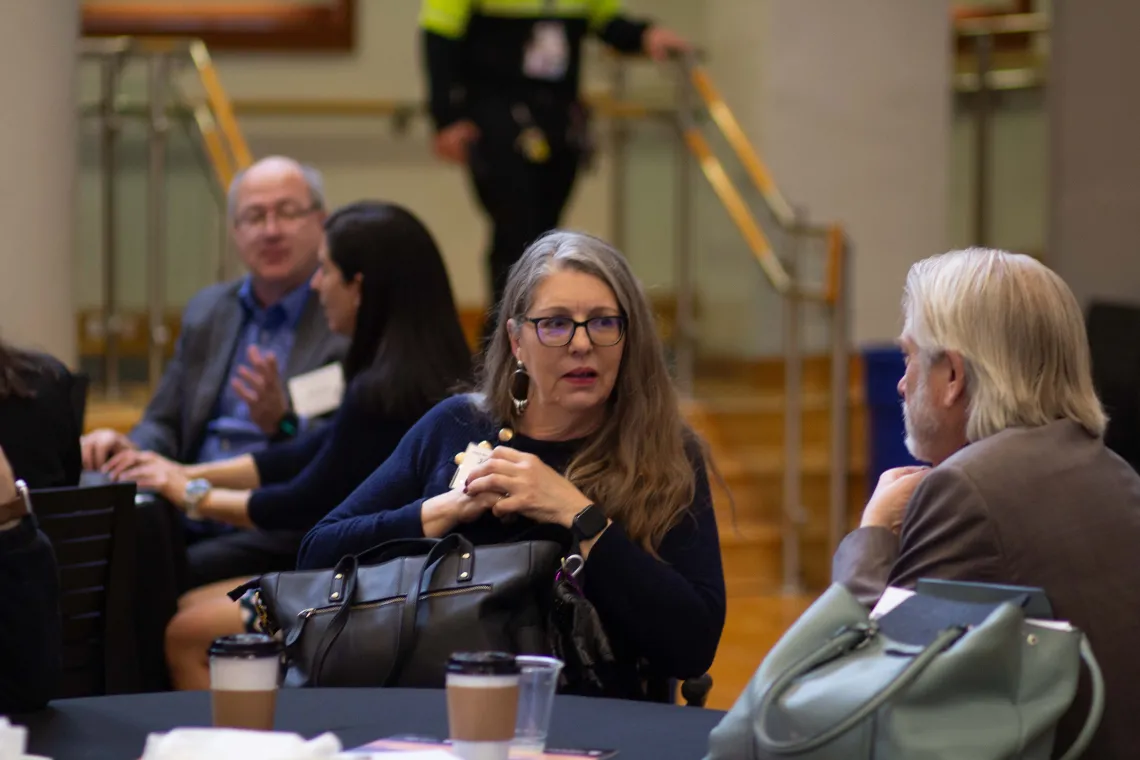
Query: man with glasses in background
{"x": 223, "y": 394}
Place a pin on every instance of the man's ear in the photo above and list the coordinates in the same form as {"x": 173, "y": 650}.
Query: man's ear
{"x": 956, "y": 379}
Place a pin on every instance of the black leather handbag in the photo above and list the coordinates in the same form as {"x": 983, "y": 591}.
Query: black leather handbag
{"x": 392, "y": 615}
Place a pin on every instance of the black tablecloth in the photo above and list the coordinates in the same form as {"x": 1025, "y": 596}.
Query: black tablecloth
{"x": 115, "y": 728}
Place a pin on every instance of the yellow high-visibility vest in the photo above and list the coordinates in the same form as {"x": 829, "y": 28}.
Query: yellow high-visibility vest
{"x": 448, "y": 18}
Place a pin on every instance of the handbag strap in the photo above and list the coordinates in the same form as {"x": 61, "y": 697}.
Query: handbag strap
{"x": 1096, "y": 709}
{"x": 407, "y": 635}
{"x": 847, "y": 640}
{"x": 399, "y": 547}
{"x": 347, "y": 569}
{"x": 851, "y": 639}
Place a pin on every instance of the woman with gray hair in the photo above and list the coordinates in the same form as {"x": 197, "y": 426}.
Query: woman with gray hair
{"x": 998, "y": 397}
{"x": 577, "y": 395}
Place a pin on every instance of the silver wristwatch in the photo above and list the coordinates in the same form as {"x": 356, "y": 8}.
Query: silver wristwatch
{"x": 196, "y": 490}
{"x": 18, "y": 508}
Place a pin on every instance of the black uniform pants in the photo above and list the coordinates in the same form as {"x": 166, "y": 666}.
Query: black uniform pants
{"x": 522, "y": 198}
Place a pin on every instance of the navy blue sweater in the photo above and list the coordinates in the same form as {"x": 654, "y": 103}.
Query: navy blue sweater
{"x": 669, "y": 611}
{"x": 305, "y": 478}
{"x": 30, "y": 626}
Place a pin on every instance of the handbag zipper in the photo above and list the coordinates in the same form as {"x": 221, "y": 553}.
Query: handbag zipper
{"x": 311, "y": 611}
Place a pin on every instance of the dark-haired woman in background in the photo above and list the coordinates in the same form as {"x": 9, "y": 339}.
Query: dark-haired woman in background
{"x": 39, "y": 429}
{"x": 381, "y": 280}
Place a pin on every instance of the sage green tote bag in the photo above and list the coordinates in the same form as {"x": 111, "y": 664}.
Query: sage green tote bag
{"x": 988, "y": 685}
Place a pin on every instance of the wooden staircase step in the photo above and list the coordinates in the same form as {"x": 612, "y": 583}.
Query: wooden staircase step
{"x": 759, "y": 420}
{"x": 764, "y": 460}
{"x": 741, "y": 417}
{"x": 753, "y": 557}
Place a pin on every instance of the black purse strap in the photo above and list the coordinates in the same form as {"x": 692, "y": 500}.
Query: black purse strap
{"x": 349, "y": 567}
{"x": 408, "y": 630}
{"x": 399, "y": 547}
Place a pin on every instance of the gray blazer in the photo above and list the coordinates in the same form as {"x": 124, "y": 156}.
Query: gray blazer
{"x": 174, "y": 422}
{"x": 1049, "y": 507}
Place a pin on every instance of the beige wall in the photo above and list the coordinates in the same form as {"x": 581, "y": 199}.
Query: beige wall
{"x": 850, "y": 102}
{"x": 1094, "y": 204}
{"x": 38, "y": 138}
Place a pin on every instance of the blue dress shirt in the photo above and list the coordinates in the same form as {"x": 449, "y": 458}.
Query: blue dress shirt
{"x": 230, "y": 431}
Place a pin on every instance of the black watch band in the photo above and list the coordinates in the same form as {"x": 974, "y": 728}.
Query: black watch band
{"x": 287, "y": 428}
{"x": 588, "y": 523}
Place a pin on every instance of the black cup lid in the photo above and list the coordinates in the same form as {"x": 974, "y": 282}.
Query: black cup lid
{"x": 246, "y": 645}
{"x": 482, "y": 664}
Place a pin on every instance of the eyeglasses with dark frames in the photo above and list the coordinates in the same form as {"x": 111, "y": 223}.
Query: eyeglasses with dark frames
{"x": 555, "y": 332}
{"x": 257, "y": 216}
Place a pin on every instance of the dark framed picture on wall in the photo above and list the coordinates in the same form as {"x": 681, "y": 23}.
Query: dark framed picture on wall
{"x": 280, "y": 25}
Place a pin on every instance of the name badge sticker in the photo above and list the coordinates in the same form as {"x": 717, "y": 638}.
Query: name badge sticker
{"x": 317, "y": 392}
{"x": 547, "y": 55}
{"x": 475, "y": 455}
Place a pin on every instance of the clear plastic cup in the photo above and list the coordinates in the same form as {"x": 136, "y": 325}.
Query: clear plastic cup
{"x": 538, "y": 677}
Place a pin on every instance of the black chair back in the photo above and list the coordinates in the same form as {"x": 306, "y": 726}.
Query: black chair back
{"x": 1114, "y": 343}
{"x": 92, "y": 531}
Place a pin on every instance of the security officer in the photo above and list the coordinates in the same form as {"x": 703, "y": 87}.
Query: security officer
{"x": 504, "y": 97}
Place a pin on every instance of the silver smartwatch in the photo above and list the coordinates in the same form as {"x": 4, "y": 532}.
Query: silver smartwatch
{"x": 17, "y": 509}
{"x": 196, "y": 490}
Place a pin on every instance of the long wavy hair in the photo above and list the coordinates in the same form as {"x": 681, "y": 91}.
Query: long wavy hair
{"x": 635, "y": 466}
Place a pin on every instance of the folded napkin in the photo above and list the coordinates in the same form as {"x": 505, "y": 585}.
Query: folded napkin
{"x": 14, "y": 742}
{"x": 235, "y": 744}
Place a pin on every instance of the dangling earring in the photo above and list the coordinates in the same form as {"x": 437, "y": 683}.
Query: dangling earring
{"x": 520, "y": 385}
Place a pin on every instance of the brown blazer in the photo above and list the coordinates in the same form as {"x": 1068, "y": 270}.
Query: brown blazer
{"x": 1048, "y": 507}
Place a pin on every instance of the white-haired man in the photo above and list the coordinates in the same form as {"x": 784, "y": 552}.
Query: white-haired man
{"x": 998, "y": 398}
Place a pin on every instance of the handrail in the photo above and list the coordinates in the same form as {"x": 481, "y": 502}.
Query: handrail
{"x": 137, "y": 45}
{"x": 737, "y": 210}
{"x": 763, "y": 181}
{"x": 215, "y": 147}
{"x": 220, "y": 105}
{"x": 836, "y": 251}
{"x": 601, "y": 104}
{"x": 731, "y": 129}
{"x": 224, "y": 143}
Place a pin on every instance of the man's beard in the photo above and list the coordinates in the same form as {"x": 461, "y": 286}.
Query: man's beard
{"x": 921, "y": 425}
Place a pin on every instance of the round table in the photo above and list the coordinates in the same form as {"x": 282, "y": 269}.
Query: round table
{"x": 115, "y": 728}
